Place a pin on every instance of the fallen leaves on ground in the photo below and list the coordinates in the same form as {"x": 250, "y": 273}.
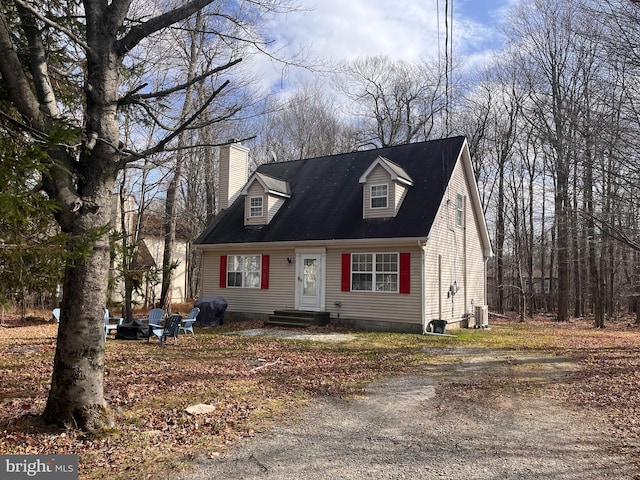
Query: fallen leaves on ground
{"x": 254, "y": 382}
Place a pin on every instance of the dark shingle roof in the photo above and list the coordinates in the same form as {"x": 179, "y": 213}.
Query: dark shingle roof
{"x": 326, "y": 197}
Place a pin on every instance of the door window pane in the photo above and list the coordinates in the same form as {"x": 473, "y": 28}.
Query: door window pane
{"x": 309, "y": 277}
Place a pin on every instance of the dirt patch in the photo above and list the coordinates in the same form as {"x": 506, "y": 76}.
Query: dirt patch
{"x": 296, "y": 335}
{"x": 449, "y": 423}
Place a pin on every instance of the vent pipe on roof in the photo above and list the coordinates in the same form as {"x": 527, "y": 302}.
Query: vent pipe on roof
{"x": 233, "y": 173}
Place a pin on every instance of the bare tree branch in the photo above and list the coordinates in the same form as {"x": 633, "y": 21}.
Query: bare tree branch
{"x": 132, "y": 97}
{"x": 16, "y": 81}
{"x": 140, "y": 32}
{"x": 161, "y": 145}
{"x": 57, "y": 26}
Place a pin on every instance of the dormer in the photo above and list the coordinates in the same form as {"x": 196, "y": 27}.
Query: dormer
{"x": 384, "y": 185}
{"x": 263, "y": 197}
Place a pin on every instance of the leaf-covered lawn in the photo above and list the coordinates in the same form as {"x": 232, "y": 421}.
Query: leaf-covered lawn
{"x": 255, "y": 382}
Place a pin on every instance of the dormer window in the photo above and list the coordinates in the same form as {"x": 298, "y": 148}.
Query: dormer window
{"x": 255, "y": 207}
{"x": 263, "y": 197}
{"x": 380, "y": 196}
{"x": 384, "y": 186}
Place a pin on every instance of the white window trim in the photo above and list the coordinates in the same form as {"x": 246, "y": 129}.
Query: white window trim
{"x": 252, "y": 207}
{"x": 375, "y": 274}
{"x": 386, "y": 196}
{"x": 244, "y": 272}
{"x": 459, "y": 210}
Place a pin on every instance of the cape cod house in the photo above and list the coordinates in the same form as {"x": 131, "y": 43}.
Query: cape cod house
{"x": 386, "y": 239}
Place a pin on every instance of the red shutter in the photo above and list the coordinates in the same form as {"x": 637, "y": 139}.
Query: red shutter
{"x": 346, "y": 272}
{"x": 223, "y": 271}
{"x": 405, "y": 273}
{"x": 264, "y": 279}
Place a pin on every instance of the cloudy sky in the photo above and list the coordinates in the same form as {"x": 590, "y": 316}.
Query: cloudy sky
{"x": 337, "y": 30}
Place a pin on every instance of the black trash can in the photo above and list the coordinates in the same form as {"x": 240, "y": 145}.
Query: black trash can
{"x": 437, "y": 326}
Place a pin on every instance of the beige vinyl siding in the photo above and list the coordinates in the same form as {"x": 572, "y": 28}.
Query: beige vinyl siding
{"x": 279, "y": 295}
{"x": 476, "y": 264}
{"x": 385, "y": 306}
{"x": 233, "y": 173}
{"x": 454, "y": 254}
{"x": 179, "y": 288}
{"x": 391, "y": 307}
{"x": 400, "y": 193}
{"x": 379, "y": 176}
{"x": 273, "y": 205}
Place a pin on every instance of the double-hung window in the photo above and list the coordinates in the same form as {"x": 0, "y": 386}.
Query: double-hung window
{"x": 379, "y": 196}
{"x": 255, "y": 207}
{"x": 243, "y": 271}
{"x": 374, "y": 272}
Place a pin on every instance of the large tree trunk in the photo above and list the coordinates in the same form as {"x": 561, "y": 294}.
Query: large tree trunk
{"x": 76, "y": 397}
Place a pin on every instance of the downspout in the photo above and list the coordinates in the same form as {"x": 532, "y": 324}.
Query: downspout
{"x": 486, "y": 298}
{"x": 423, "y": 291}
{"x": 464, "y": 262}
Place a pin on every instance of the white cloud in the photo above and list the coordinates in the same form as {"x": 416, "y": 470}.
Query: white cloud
{"x": 347, "y": 29}
{"x": 338, "y": 30}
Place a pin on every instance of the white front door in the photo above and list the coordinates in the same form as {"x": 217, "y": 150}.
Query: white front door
{"x": 310, "y": 283}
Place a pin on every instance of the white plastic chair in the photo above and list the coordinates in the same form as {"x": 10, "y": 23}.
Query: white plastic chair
{"x": 155, "y": 317}
{"x": 188, "y": 321}
{"x": 108, "y": 326}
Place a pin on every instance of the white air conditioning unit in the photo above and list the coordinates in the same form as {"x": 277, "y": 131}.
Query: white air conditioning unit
{"x": 482, "y": 316}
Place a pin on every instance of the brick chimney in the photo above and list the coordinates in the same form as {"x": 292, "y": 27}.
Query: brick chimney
{"x": 233, "y": 171}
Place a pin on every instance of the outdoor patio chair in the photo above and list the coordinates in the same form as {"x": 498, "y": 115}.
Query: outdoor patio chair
{"x": 108, "y": 326}
{"x": 156, "y": 315}
{"x": 56, "y": 314}
{"x": 171, "y": 329}
{"x": 188, "y": 321}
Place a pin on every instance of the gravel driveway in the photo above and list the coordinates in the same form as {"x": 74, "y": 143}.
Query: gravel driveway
{"x": 424, "y": 427}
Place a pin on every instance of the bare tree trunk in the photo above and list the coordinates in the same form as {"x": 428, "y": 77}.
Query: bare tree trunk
{"x": 77, "y": 400}
{"x": 563, "y": 242}
{"x": 171, "y": 206}
{"x": 500, "y": 237}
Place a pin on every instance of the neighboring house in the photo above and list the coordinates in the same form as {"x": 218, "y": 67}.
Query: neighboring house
{"x": 150, "y": 257}
{"x": 152, "y": 239}
{"x": 386, "y": 239}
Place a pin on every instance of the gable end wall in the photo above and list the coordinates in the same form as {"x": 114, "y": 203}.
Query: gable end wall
{"x": 454, "y": 254}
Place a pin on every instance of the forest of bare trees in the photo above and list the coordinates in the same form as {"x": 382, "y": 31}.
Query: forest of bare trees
{"x": 116, "y": 103}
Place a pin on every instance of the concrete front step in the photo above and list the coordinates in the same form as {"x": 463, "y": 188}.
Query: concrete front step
{"x": 298, "y": 318}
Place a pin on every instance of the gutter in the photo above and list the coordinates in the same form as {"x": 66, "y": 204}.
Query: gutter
{"x": 351, "y": 242}
{"x": 422, "y": 244}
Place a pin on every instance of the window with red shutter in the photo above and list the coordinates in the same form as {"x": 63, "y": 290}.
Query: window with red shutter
{"x": 264, "y": 279}
{"x": 405, "y": 273}
{"x": 223, "y": 271}
{"x": 346, "y": 272}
